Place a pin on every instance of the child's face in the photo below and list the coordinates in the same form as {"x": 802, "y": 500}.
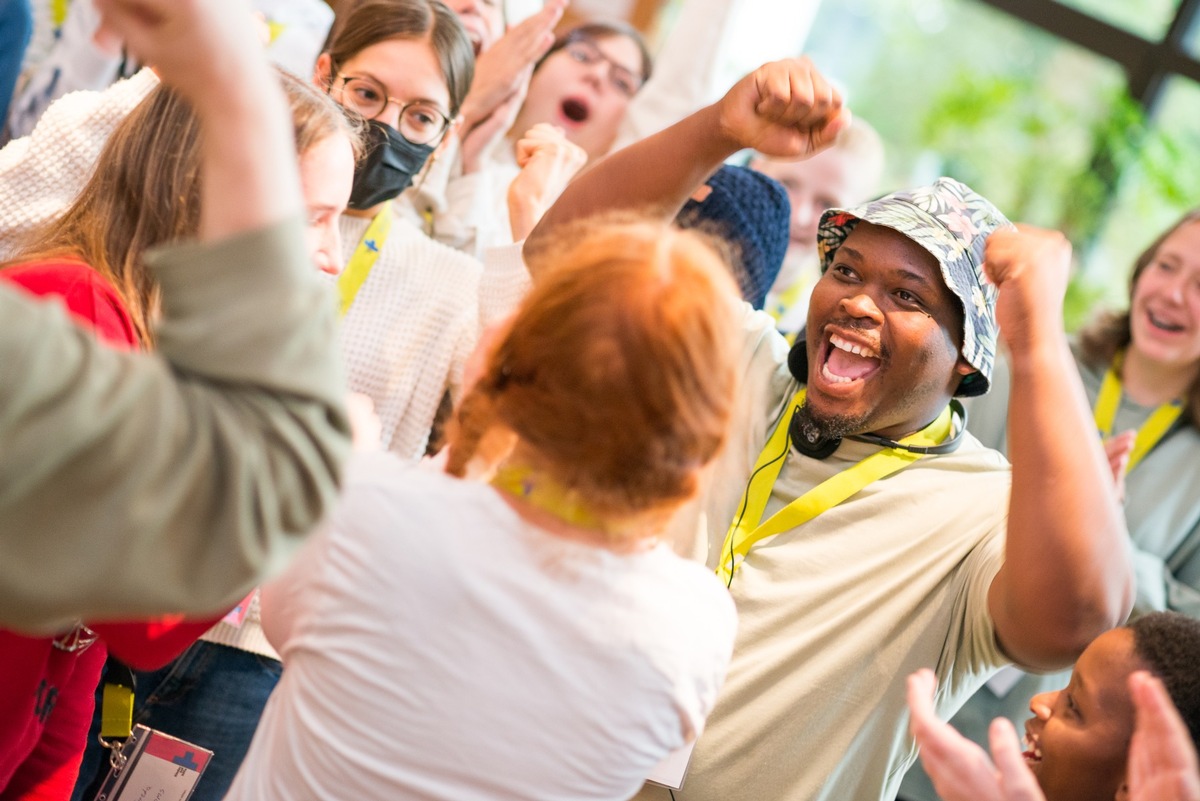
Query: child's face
{"x": 1079, "y": 737}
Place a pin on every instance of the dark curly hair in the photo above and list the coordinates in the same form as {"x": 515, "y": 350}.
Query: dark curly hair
{"x": 1169, "y": 645}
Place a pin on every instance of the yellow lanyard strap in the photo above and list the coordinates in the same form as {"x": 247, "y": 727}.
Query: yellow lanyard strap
{"x": 1152, "y": 431}
{"x": 547, "y": 495}
{"x": 364, "y": 258}
{"x": 116, "y": 706}
{"x": 58, "y": 12}
{"x": 746, "y": 531}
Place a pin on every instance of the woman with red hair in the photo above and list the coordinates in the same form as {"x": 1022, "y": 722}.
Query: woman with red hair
{"x": 530, "y": 636}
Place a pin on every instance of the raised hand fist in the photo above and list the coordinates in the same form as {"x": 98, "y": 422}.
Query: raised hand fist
{"x": 1030, "y": 267}
{"x": 783, "y": 109}
{"x": 548, "y": 162}
{"x": 202, "y": 48}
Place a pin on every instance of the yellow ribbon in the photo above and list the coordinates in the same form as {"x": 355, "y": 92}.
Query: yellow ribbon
{"x": 784, "y": 302}
{"x": 364, "y": 258}
{"x": 1152, "y": 431}
{"x": 747, "y": 531}
{"x": 58, "y": 12}
{"x": 543, "y": 492}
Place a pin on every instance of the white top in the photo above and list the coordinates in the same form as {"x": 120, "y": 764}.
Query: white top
{"x": 437, "y": 646}
{"x": 295, "y": 31}
{"x": 414, "y": 322}
{"x": 41, "y": 174}
{"x": 834, "y": 614}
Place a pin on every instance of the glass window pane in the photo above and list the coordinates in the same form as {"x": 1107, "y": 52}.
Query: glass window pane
{"x": 1149, "y": 19}
{"x": 1154, "y": 193}
{"x": 958, "y": 88}
{"x": 1192, "y": 40}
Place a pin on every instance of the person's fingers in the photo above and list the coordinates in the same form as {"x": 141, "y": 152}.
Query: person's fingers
{"x": 774, "y": 85}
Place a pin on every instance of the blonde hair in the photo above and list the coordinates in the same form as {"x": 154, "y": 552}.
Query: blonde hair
{"x": 617, "y": 371}
{"x": 145, "y": 191}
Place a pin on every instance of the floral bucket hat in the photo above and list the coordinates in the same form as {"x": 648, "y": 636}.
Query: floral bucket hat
{"x": 952, "y": 222}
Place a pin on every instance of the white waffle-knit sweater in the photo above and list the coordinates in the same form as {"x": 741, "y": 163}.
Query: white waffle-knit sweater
{"x": 41, "y": 174}
{"x": 414, "y": 322}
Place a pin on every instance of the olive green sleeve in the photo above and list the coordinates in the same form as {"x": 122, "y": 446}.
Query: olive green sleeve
{"x": 134, "y": 484}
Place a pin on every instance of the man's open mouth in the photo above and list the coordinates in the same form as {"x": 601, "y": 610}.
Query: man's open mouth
{"x": 844, "y": 360}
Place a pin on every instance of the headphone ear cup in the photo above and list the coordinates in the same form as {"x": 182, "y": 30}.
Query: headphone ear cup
{"x": 798, "y": 359}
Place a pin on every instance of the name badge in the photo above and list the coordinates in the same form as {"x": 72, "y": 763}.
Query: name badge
{"x": 670, "y": 772}
{"x": 152, "y": 766}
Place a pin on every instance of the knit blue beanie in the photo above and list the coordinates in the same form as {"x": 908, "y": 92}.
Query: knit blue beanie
{"x": 751, "y": 213}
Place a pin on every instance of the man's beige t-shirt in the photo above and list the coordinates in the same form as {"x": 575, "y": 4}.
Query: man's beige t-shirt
{"x": 835, "y": 614}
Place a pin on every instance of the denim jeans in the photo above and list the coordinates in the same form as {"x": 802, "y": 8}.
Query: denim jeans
{"x": 212, "y": 696}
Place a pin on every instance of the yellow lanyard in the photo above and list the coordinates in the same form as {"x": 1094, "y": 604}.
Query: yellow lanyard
{"x": 1152, "y": 431}
{"x": 540, "y": 491}
{"x": 364, "y": 258}
{"x": 58, "y": 12}
{"x": 747, "y": 531}
{"x": 784, "y": 302}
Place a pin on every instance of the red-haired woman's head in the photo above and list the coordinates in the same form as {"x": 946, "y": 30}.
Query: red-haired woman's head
{"x": 616, "y": 375}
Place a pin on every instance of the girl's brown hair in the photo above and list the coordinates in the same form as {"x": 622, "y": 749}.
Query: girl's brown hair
{"x": 1110, "y": 332}
{"x": 369, "y": 22}
{"x": 617, "y": 371}
{"x": 145, "y": 191}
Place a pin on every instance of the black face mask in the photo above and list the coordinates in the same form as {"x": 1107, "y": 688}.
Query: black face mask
{"x": 388, "y": 167}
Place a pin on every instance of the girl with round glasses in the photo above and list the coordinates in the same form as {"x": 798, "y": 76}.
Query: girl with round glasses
{"x": 410, "y": 306}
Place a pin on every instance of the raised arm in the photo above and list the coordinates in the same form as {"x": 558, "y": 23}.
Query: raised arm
{"x": 215, "y": 61}
{"x": 1067, "y": 574}
{"x": 785, "y": 108}
{"x": 134, "y": 484}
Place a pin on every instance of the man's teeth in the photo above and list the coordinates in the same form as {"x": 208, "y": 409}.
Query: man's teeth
{"x": 834, "y": 378}
{"x": 850, "y": 347}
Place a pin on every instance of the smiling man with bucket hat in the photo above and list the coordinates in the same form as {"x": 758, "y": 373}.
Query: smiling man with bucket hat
{"x": 862, "y": 533}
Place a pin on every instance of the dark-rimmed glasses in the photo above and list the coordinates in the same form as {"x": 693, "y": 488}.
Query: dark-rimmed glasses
{"x": 623, "y": 79}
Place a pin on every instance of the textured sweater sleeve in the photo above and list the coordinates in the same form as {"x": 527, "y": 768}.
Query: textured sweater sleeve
{"x": 138, "y": 484}
{"x": 505, "y": 281}
{"x": 42, "y": 173}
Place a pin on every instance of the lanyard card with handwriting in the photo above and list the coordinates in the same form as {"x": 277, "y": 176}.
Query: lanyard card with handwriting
{"x": 363, "y": 260}
{"x": 749, "y": 528}
{"x": 1151, "y": 432}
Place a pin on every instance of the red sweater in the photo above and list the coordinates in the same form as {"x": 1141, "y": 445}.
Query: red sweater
{"x": 46, "y": 693}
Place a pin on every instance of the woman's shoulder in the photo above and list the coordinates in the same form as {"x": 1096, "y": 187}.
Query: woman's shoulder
{"x": 90, "y": 297}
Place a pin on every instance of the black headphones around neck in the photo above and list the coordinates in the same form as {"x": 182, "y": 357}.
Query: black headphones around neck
{"x": 811, "y": 444}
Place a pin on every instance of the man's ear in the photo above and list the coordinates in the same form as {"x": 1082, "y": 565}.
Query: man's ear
{"x": 323, "y": 71}
{"x": 964, "y": 368}
{"x": 1123, "y": 792}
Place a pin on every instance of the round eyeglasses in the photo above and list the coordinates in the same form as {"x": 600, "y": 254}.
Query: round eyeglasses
{"x": 587, "y": 52}
{"x": 421, "y": 122}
